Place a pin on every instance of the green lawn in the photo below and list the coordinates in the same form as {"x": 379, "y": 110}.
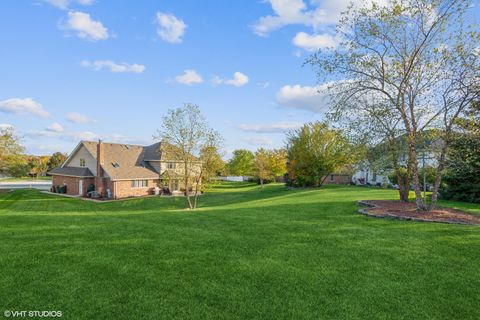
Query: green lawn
{"x": 245, "y": 254}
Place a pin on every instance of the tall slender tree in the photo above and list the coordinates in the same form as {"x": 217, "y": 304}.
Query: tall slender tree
{"x": 188, "y": 130}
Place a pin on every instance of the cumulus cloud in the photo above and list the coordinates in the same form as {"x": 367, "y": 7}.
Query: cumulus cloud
{"x": 55, "y": 127}
{"x": 26, "y": 106}
{"x": 170, "y": 28}
{"x": 285, "y": 12}
{"x": 270, "y": 127}
{"x": 85, "y": 27}
{"x": 258, "y": 141}
{"x": 79, "y": 118}
{"x": 304, "y": 97}
{"x": 239, "y": 80}
{"x": 64, "y": 4}
{"x": 189, "y": 77}
{"x": 320, "y": 14}
{"x": 113, "y": 67}
{"x": 314, "y": 42}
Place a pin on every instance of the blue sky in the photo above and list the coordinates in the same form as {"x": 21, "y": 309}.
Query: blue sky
{"x": 90, "y": 69}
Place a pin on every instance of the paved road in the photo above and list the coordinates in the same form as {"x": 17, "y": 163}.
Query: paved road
{"x": 40, "y": 185}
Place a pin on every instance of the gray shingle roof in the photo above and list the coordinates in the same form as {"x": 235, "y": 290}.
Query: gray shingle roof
{"x": 71, "y": 171}
{"x": 128, "y": 160}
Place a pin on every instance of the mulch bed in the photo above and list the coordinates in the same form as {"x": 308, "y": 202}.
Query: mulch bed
{"x": 407, "y": 211}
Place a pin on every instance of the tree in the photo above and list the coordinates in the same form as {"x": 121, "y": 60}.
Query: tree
{"x": 56, "y": 160}
{"x": 188, "y": 130}
{"x": 212, "y": 163}
{"x": 262, "y": 165}
{"x": 11, "y": 152}
{"x": 315, "y": 151}
{"x": 462, "y": 181}
{"x": 242, "y": 163}
{"x": 414, "y": 60}
{"x": 278, "y": 162}
{"x": 269, "y": 164}
{"x": 38, "y": 165}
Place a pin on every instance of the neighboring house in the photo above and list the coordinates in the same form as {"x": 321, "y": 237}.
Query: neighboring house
{"x": 337, "y": 178}
{"x": 377, "y": 171}
{"x": 117, "y": 171}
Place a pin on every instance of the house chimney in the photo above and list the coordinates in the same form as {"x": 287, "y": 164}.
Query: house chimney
{"x": 99, "y": 186}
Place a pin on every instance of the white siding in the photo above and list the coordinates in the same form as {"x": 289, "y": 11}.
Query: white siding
{"x": 162, "y": 166}
{"x": 82, "y": 153}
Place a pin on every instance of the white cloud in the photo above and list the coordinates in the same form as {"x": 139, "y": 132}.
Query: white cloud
{"x": 113, "y": 67}
{"x": 55, "y": 127}
{"x": 76, "y": 136}
{"x": 320, "y": 14}
{"x": 314, "y": 42}
{"x": 239, "y": 80}
{"x": 79, "y": 118}
{"x": 4, "y": 126}
{"x": 189, "y": 77}
{"x": 285, "y": 12}
{"x": 304, "y": 97}
{"x": 270, "y": 127}
{"x": 170, "y": 28}
{"x": 69, "y": 136}
{"x": 258, "y": 141}
{"x": 86, "y": 27}
{"x": 23, "y": 107}
{"x": 64, "y": 4}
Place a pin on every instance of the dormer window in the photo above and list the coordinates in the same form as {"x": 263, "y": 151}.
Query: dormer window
{"x": 82, "y": 162}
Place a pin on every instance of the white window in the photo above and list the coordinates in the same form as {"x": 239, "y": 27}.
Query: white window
{"x": 171, "y": 165}
{"x": 332, "y": 178}
{"x": 82, "y": 162}
{"x": 139, "y": 183}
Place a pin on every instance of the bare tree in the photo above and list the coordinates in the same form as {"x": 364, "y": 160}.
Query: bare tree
{"x": 188, "y": 130}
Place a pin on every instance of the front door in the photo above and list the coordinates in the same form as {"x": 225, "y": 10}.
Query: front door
{"x": 80, "y": 187}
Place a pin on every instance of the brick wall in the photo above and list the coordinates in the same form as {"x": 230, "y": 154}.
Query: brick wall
{"x": 72, "y": 184}
{"x": 123, "y": 189}
{"x": 338, "y": 179}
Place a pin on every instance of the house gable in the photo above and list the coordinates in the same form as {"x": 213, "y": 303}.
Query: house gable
{"x": 82, "y": 153}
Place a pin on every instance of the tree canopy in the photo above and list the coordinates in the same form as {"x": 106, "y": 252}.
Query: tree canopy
{"x": 315, "y": 151}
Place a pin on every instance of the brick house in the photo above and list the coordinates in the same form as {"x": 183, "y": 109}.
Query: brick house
{"x": 117, "y": 171}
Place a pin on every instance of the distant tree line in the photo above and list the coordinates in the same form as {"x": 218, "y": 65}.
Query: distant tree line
{"x": 15, "y": 163}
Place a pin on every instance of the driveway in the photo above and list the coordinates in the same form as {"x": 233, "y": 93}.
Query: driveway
{"x": 27, "y": 184}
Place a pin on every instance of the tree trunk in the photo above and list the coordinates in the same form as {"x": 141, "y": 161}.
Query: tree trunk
{"x": 261, "y": 183}
{"x": 439, "y": 172}
{"x": 323, "y": 180}
{"x": 196, "y": 188}
{"x": 187, "y": 176}
{"x": 403, "y": 186}
{"x": 412, "y": 157}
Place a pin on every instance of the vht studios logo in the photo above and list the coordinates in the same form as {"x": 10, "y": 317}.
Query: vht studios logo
{"x": 32, "y": 314}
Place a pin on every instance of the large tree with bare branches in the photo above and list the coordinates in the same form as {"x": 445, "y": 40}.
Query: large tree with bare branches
{"x": 413, "y": 62}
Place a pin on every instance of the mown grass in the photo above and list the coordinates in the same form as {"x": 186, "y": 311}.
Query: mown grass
{"x": 244, "y": 254}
